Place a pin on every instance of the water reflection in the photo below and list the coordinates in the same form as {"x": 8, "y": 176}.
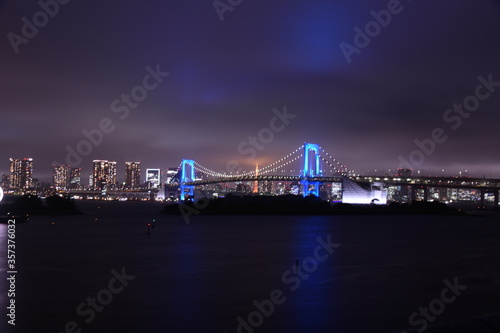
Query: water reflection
{"x": 312, "y": 303}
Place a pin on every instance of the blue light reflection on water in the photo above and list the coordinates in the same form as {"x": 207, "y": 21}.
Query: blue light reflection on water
{"x": 313, "y": 300}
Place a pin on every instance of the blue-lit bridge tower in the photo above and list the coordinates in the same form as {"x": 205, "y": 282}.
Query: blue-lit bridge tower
{"x": 311, "y": 168}
{"x": 187, "y": 177}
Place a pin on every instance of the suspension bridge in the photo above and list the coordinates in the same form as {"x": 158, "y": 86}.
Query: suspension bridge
{"x": 311, "y": 170}
{"x": 310, "y": 165}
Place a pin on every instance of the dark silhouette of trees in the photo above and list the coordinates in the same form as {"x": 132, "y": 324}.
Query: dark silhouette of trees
{"x": 34, "y": 205}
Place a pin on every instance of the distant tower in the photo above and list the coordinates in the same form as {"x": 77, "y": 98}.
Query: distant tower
{"x": 256, "y": 183}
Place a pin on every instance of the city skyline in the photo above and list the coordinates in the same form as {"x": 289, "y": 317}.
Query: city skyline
{"x": 105, "y": 173}
{"x": 21, "y": 175}
{"x": 321, "y": 175}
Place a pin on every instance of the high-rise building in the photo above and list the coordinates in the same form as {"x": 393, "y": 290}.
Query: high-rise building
{"x": 112, "y": 175}
{"x": 60, "y": 177}
{"x": 153, "y": 178}
{"x": 21, "y": 173}
{"x": 99, "y": 174}
{"x": 5, "y": 181}
{"x": 171, "y": 172}
{"x": 103, "y": 175}
{"x": 15, "y": 173}
{"x": 75, "y": 178}
{"x": 132, "y": 174}
{"x": 27, "y": 179}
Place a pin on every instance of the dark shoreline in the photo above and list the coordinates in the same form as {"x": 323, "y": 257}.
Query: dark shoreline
{"x": 296, "y": 205}
{"x": 246, "y": 205}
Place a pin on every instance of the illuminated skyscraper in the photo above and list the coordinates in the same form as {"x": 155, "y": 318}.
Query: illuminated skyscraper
{"x": 153, "y": 177}
{"x": 5, "y": 181}
{"x": 132, "y": 174}
{"x": 15, "y": 173}
{"x": 21, "y": 173}
{"x": 171, "y": 172}
{"x": 112, "y": 175}
{"x": 60, "y": 176}
{"x": 100, "y": 170}
{"x": 103, "y": 175}
{"x": 27, "y": 173}
{"x": 75, "y": 178}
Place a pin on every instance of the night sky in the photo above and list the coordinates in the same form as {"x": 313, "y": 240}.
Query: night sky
{"x": 226, "y": 77}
